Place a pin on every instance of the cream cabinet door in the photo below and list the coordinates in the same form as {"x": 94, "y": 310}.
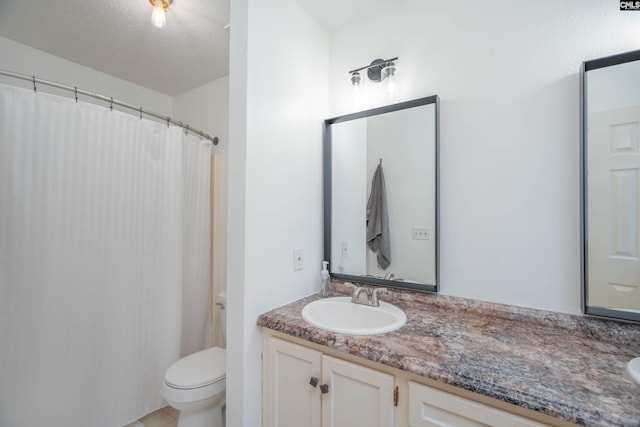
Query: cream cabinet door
{"x": 357, "y": 396}
{"x": 429, "y": 407}
{"x": 289, "y": 399}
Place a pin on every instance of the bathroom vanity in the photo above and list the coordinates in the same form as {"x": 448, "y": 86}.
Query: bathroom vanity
{"x": 455, "y": 362}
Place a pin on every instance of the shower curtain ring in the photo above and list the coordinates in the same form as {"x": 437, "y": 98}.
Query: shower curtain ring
{"x": 201, "y": 135}
{"x": 34, "y": 85}
{"x": 140, "y": 113}
{"x": 168, "y": 121}
{"x": 75, "y": 92}
{"x": 186, "y": 129}
{"x": 111, "y": 104}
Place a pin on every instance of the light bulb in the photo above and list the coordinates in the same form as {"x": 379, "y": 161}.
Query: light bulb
{"x": 157, "y": 17}
{"x": 391, "y": 86}
{"x": 355, "y": 79}
{"x": 356, "y": 90}
{"x": 389, "y": 79}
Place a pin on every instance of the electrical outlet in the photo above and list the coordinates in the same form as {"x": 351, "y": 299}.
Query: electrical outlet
{"x": 297, "y": 260}
{"x": 420, "y": 233}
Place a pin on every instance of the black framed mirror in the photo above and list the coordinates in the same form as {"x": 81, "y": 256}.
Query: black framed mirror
{"x": 610, "y": 181}
{"x": 381, "y": 195}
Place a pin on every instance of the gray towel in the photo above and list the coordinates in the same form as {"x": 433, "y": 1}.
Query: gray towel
{"x": 378, "y": 220}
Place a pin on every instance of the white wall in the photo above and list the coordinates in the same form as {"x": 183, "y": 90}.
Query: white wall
{"x": 207, "y": 108}
{"x": 278, "y": 98}
{"x": 18, "y": 58}
{"x": 507, "y": 75}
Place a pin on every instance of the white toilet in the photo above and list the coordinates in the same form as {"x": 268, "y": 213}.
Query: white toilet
{"x": 195, "y": 385}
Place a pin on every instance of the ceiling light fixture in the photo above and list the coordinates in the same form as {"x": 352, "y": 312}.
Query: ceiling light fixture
{"x": 160, "y": 7}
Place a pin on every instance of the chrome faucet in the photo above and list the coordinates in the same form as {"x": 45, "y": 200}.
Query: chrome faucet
{"x": 355, "y": 296}
{"x": 371, "y": 297}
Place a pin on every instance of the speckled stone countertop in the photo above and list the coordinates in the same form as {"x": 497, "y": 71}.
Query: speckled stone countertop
{"x": 573, "y": 368}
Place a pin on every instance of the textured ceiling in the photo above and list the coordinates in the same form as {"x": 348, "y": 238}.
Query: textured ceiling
{"x": 117, "y": 38}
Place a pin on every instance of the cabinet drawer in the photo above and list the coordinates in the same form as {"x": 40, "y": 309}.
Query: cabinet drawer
{"x": 429, "y": 407}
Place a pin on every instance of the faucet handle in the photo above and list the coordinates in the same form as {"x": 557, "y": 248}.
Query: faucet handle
{"x": 374, "y": 296}
{"x": 350, "y": 285}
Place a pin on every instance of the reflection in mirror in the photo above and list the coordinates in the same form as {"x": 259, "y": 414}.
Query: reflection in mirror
{"x": 381, "y": 195}
{"x": 611, "y": 186}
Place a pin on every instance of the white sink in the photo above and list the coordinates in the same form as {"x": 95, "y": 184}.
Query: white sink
{"x": 340, "y": 315}
{"x": 634, "y": 369}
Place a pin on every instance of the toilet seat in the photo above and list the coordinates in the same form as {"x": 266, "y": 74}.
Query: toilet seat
{"x": 198, "y": 370}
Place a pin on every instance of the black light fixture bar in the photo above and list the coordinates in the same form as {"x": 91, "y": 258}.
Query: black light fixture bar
{"x": 375, "y": 64}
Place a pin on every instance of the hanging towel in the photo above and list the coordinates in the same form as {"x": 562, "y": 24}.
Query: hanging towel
{"x": 378, "y": 220}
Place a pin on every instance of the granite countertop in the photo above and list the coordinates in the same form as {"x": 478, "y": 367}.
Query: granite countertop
{"x": 573, "y": 368}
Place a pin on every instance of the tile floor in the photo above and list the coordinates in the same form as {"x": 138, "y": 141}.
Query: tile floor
{"x": 163, "y": 417}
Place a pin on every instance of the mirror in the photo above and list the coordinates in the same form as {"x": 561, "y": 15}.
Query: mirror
{"x": 381, "y": 195}
{"x": 610, "y": 151}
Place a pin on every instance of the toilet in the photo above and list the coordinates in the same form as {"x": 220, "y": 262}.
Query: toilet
{"x": 195, "y": 385}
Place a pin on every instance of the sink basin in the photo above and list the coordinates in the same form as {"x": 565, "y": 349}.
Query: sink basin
{"x": 634, "y": 369}
{"x": 340, "y": 315}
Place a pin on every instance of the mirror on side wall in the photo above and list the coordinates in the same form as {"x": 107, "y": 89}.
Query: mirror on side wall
{"x": 610, "y": 150}
{"x": 381, "y": 195}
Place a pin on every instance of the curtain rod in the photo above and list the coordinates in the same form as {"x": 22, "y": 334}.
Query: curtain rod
{"x": 111, "y": 102}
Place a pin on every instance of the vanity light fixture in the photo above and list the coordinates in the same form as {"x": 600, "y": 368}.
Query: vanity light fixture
{"x": 160, "y": 7}
{"x": 380, "y": 70}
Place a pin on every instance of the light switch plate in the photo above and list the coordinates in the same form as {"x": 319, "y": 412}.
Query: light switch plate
{"x": 345, "y": 249}
{"x": 420, "y": 233}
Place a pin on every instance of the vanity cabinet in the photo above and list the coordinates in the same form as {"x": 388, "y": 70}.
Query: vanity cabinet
{"x": 358, "y": 395}
{"x": 345, "y": 394}
{"x": 429, "y": 407}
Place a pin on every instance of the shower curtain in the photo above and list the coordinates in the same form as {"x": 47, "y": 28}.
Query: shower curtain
{"x": 104, "y": 260}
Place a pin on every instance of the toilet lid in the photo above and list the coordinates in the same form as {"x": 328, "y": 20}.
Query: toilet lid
{"x": 198, "y": 369}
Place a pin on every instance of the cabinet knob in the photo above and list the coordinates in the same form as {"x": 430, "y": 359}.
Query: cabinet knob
{"x": 324, "y": 388}
{"x": 313, "y": 381}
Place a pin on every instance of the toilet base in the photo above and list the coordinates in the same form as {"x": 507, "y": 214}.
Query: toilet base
{"x": 209, "y": 417}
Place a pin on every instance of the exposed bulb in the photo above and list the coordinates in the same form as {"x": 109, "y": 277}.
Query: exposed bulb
{"x": 356, "y": 92}
{"x": 389, "y": 79}
{"x": 391, "y": 86}
{"x": 355, "y": 79}
{"x": 158, "y": 18}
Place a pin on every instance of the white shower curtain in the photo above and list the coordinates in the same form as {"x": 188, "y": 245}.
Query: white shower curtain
{"x": 104, "y": 260}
